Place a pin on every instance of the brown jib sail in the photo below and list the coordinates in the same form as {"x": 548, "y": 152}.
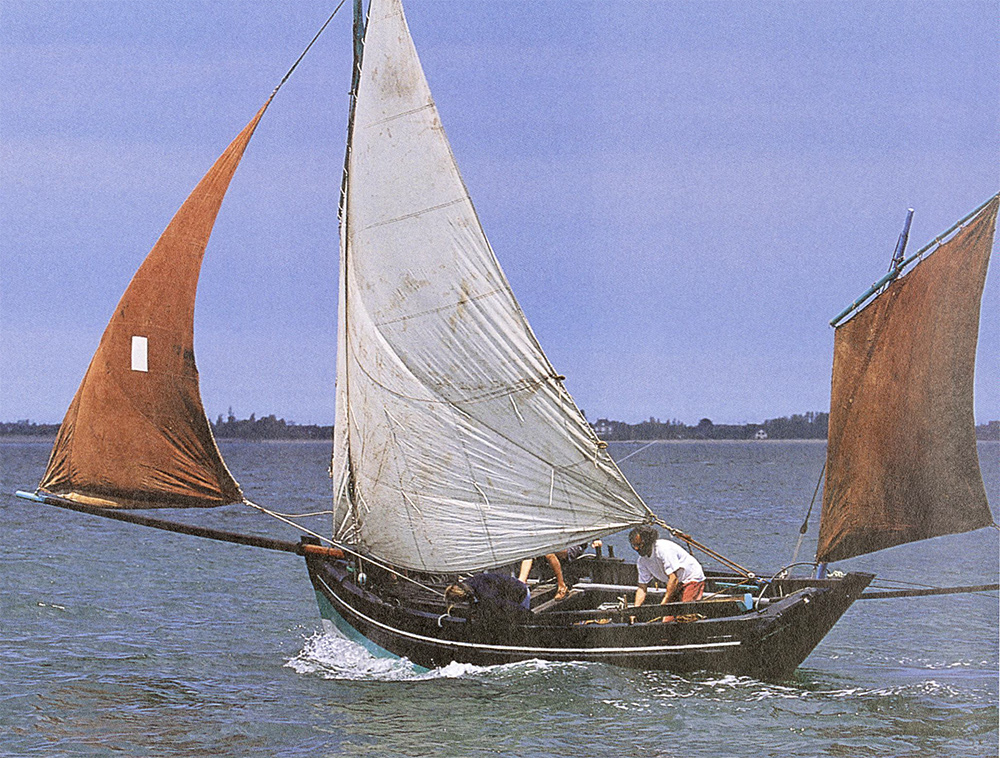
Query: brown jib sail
{"x": 136, "y": 434}
{"x": 901, "y": 458}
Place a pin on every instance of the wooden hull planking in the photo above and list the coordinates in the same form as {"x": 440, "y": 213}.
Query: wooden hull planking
{"x": 767, "y": 642}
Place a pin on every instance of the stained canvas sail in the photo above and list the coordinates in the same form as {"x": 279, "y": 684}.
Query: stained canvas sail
{"x": 136, "y": 434}
{"x": 458, "y": 447}
{"x": 901, "y": 459}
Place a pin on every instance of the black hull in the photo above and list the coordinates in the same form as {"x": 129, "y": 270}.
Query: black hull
{"x": 768, "y": 642}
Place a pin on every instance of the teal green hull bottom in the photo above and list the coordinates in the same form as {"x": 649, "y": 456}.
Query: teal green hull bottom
{"x": 328, "y": 613}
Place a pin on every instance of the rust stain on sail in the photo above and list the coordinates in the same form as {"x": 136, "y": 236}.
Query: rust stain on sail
{"x": 902, "y": 463}
{"x": 136, "y": 434}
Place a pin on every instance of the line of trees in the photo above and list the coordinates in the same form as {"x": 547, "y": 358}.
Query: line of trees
{"x": 807, "y": 426}
{"x": 27, "y": 428}
{"x": 267, "y": 428}
{"x": 988, "y": 431}
{"x": 811, "y": 425}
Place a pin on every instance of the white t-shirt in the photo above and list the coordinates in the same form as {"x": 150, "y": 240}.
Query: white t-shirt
{"x": 667, "y": 558}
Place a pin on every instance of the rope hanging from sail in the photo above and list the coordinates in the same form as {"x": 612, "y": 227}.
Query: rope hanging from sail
{"x": 805, "y": 524}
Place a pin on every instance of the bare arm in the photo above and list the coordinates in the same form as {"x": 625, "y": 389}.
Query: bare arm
{"x": 673, "y": 585}
{"x": 640, "y": 595}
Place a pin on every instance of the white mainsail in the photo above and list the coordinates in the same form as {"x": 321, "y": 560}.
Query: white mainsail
{"x": 457, "y": 446}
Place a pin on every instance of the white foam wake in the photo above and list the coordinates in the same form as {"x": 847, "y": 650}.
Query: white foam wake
{"x": 332, "y": 656}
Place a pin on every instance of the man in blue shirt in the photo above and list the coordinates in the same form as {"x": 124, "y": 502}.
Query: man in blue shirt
{"x": 492, "y": 596}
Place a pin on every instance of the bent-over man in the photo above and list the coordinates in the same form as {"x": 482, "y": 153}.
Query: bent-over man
{"x": 670, "y": 563}
{"x": 494, "y": 597}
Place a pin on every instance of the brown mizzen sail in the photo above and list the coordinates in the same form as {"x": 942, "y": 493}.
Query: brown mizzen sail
{"x": 136, "y": 434}
{"x": 901, "y": 459}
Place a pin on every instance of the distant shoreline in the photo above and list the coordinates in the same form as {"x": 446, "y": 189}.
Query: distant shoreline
{"x": 808, "y": 426}
{"x": 20, "y": 439}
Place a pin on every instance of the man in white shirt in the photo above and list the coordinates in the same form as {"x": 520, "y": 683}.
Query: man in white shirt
{"x": 668, "y": 562}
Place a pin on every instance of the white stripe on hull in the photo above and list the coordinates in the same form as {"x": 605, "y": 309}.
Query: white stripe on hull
{"x": 534, "y": 651}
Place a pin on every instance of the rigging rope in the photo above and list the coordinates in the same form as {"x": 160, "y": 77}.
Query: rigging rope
{"x": 299, "y": 60}
{"x": 636, "y": 452}
{"x": 339, "y": 546}
{"x": 677, "y": 532}
{"x": 305, "y": 515}
{"x": 704, "y": 548}
{"x": 805, "y": 524}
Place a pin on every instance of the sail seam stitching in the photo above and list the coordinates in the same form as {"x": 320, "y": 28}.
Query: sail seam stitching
{"x": 440, "y": 308}
{"x": 523, "y": 385}
{"x": 580, "y": 480}
{"x": 401, "y": 469}
{"x": 415, "y": 214}
{"x": 410, "y": 112}
{"x": 572, "y": 475}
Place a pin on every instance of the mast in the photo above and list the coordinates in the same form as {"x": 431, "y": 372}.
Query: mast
{"x": 897, "y": 255}
{"x": 358, "y": 37}
{"x": 895, "y": 267}
{"x": 341, "y": 457}
{"x": 457, "y": 447}
{"x": 895, "y": 271}
{"x": 358, "y": 43}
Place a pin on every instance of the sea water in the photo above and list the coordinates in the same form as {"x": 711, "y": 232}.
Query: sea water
{"x": 120, "y": 640}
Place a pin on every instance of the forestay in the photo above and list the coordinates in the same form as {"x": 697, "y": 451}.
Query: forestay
{"x": 458, "y": 448}
{"x": 902, "y": 463}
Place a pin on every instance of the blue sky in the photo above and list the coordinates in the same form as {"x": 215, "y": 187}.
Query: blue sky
{"x": 681, "y": 193}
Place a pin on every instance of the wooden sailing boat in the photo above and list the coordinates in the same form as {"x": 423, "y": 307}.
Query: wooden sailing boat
{"x": 457, "y": 448}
